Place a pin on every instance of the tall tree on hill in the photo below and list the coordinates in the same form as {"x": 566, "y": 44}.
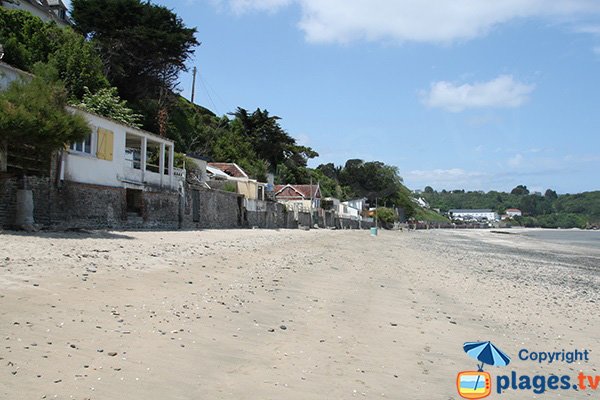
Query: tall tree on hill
{"x": 520, "y": 190}
{"x": 144, "y": 47}
{"x": 270, "y": 141}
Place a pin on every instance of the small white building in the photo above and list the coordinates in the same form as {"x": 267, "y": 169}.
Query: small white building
{"x": 421, "y": 202}
{"x": 117, "y": 155}
{"x": 473, "y": 215}
{"x": 46, "y": 10}
{"x": 343, "y": 209}
{"x": 513, "y": 212}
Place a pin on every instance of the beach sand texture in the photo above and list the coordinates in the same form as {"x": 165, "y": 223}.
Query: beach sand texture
{"x": 258, "y": 314}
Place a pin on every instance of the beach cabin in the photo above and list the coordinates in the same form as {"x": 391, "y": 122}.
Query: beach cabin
{"x": 117, "y": 155}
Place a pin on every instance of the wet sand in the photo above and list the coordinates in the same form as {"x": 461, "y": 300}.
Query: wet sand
{"x": 283, "y": 314}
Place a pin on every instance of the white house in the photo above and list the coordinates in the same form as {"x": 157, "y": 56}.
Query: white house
{"x": 469, "y": 215}
{"x": 421, "y": 202}
{"x": 345, "y": 210}
{"x": 117, "y": 155}
{"x": 513, "y": 212}
{"x": 46, "y": 10}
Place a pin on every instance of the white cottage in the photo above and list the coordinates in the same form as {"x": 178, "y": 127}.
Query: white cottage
{"x": 117, "y": 155}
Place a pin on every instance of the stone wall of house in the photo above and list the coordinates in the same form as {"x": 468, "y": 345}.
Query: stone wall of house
{"x": 345, "y": 223}
{"x": 75, "y": 205}
{"x": 214, "y": 209}
{"x": 41, "y": 189}
{"x": 304, "y": 219}
{"x": 271, "y": 216}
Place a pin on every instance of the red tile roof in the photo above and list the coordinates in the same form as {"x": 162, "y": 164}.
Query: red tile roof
{"x": 231, "y": 169}
{"x": 297, "y": 192}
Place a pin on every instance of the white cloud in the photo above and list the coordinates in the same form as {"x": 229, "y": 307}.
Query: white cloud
{"x": 593, "y": 29}
{"x": 443, "y": 175}
{"x": 242, "y": 6}
{"x": 341, "y": 21}
{"x": 501, "y": 92}
{"x": 515, "y": 161}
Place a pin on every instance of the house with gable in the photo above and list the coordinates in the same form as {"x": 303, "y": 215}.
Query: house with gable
{"x": 302, "y": 197}
{"x": 232, "y": 176}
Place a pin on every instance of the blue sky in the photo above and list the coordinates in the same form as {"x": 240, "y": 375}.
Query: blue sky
{"x": 455, "y": 93}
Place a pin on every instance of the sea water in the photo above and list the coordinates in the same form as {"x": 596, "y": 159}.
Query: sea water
{"x": 575, "y": 237}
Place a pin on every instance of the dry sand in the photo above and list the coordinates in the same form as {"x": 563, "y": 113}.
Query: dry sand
{"x": 283, "y": 314}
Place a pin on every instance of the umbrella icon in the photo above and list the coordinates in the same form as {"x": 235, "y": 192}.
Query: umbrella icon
{"x": 487, "y": 353}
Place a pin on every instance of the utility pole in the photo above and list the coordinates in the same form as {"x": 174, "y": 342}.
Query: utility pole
{"x": 376, "y": 212}
{"x": 311, "y": 204}
{"x": 194, "y": 83}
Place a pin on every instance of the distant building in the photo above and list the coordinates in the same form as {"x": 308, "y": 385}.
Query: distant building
{"x": 221, "y": 174}
{"x": 46, "y": 10}
{"x": 299, "y": 195}
{"x": 513, "y": 212}
{"x": 421, "y": 202}
{"x": 473, "y": 215}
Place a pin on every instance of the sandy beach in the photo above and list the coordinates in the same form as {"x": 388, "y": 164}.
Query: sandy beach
{"x": 290, "y": 314}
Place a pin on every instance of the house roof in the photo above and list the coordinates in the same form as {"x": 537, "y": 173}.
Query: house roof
{"x": 216, "y": 172}
{"x": 130, "y": 129}
{"x": 297, "y": 191}
{"x": 17, "y": 70}
{"x": 513, "y": 210}
{"x": 231, "y": 169}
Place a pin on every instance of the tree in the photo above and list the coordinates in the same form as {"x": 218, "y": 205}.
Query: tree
{"x": 28, "y": 40}
{"x": 78, "y": 64}
{"x": 550, "y": 195}
{"x": 269, "y": 140}
{"x": 144, "y": 46}
{"x": 520, "y": 190}
{"x": 33, "y": 115}
{"x": 106, "y": 102}
{"x": 386, "y": 216}
{"x": 428, "y": 189}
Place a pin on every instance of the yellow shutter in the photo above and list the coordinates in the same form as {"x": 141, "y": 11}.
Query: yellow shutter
{"x": 105, "y": 144}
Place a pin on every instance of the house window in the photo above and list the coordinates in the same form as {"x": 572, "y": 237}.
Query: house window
{"x": 85, "y": 146}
